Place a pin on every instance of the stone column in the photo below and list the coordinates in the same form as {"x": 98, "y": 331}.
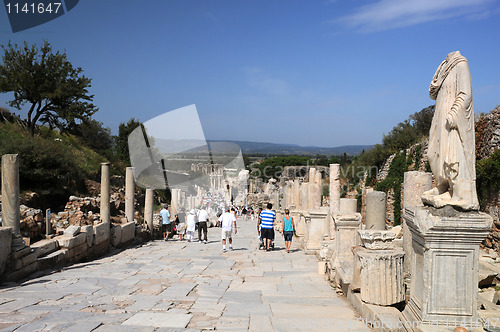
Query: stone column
{"x": 334, "y": 188}
{"x": 312, "y": 188}
{"x": 296, "y": 194}
{"x": 148, "y": 209}
{"x": 348, "y": 205}
{"x": 10, "y": 199}
{"x": 10, "y": 193}
{"x": 277, "y": 200}
{"x": 304, "y": 196}
{"x": 129, "y": 194}
{"x": 289, "y": 195}
{"x": 105, "y": 208}
{"x": 381, "y": 275}
{"x": 174, "y": 201}
{"x": 318, "y": 187}
{"x": 375, "y": 210}
{"x": 312, "y": 174}
{"x": 182, "y": 198}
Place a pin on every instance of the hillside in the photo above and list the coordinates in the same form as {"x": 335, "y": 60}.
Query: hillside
{"x": 54, "y": 166}
{"x": 293, "y": 149}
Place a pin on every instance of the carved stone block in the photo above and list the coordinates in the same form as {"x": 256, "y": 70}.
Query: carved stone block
{"x": 381, "y": 275}
{"x": 444, "y": 267}
{"x": 377, "y": 240}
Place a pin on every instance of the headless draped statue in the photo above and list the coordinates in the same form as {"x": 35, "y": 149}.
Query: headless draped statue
{"x": 451, "y": 139}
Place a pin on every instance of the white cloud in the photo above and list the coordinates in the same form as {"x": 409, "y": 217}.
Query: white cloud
{"x": 390, "y": 14}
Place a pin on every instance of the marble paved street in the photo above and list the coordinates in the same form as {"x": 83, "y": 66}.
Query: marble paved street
{"x": 175, "y": 286}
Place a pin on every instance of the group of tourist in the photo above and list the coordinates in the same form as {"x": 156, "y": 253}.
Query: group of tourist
{"x": 245, "y": 212}
{"x": 265, "y": 228}
{"x": 185, "y": 226}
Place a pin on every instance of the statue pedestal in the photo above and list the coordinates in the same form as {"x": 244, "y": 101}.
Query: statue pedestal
{"x": 315, "y": 229}
{"x": 346, "y": 237}
{"x": 444, "y": 267}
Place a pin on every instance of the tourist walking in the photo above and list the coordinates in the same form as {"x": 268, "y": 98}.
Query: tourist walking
{"x": 227, "y": 220}
{"x": 288, "y": 227}
{"x": 202, "y": 224}
{"x": 266, "y": 221}
{"x": 258, "y": 229}
{"x": 181, "y": 224}
{"x": 166, "y": 224}
{"x": 191, "y": 225}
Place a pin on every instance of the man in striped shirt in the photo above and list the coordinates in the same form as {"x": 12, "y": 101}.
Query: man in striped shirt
{"x": 266, "y": 222}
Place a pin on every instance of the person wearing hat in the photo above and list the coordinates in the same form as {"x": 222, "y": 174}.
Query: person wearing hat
{"x": 191, "y": 225}
{"x": 181, "y": 224}
{"x": 227, "y": 219}
{"x": 166, "y": 224}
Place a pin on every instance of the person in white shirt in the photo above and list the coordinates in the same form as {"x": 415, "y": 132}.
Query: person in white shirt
{"x": 191, "y": 224}
{"x": 227, "y": 219}
{"x": 202, "y": 224}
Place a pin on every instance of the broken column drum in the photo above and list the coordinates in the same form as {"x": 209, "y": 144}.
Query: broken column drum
{"x": 129, "y": 194}
{"x": 375, "y": 210}
{"x": 10, "y": 193}
{"x": 105, "y": 206}
{"x": 148, "y": 209}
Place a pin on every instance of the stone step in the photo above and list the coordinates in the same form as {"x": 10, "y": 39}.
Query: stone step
{"x": 44, "y": 247}
{"x": 53, "y": 259}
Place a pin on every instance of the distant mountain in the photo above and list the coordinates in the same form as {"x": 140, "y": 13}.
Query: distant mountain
{"x": 274, "y": 148}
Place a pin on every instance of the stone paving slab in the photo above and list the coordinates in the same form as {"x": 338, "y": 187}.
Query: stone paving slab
{"x": 181, "y": 286}
{"x": 159, "y": 319}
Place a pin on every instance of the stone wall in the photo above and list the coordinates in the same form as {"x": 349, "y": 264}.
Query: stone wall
{"x": 79, "y": 211}
{"x": 492, "y": 207}
{"x": 488, "y": 134}
{"x": 73, "y": 245}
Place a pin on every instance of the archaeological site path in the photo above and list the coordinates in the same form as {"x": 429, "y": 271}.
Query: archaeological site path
{"x": 177, "y": 286}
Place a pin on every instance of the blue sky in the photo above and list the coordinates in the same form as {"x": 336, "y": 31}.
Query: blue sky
{"x": 306, "y": 72}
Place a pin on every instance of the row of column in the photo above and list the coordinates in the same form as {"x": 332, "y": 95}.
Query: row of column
{"x": 305, "y": 195}
{"x": 11, "y": 194}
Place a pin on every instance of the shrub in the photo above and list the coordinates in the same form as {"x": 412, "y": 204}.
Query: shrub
{"x": 50, "y": 164}
{"x": 488, "y": 177}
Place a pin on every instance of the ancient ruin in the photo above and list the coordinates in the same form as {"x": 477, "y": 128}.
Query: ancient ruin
{"x": 423, "y": 272}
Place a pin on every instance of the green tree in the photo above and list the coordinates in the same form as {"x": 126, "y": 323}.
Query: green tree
{"x": 422, "y": 120}
{"x": 273, "y": 167}
{"x": 95, "y": 135}
{"x": 124, "y": 130}
{"x": 56, "y": 92}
